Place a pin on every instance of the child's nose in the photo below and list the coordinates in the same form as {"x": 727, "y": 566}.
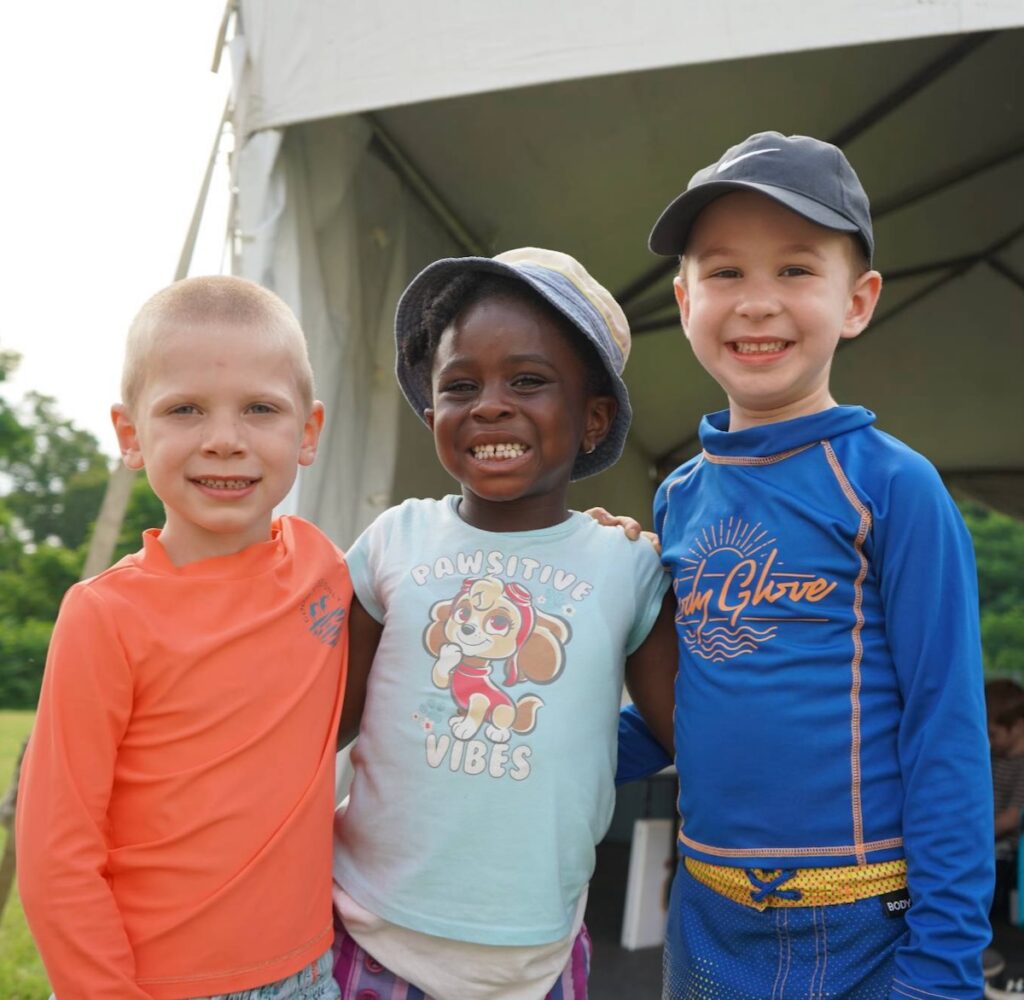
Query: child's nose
{"x": 223, "y": 437}
{"x": 758, "y": 301}
{"x": 492, "y": 403}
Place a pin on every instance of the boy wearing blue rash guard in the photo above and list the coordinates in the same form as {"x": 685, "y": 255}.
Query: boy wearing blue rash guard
{"x": 835, "y": 797}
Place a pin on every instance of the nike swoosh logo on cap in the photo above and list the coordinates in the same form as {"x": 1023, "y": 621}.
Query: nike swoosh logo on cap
{"x": 736, "y": 159}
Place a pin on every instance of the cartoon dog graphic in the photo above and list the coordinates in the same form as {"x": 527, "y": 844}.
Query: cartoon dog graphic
{"x": 485, "y": 622}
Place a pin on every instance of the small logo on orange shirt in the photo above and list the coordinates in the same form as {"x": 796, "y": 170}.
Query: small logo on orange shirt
{"x": 324, "y": 613}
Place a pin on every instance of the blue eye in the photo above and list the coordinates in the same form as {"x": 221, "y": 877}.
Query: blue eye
{"x": 184, "y": 409}
{"x": 261, "y": 408}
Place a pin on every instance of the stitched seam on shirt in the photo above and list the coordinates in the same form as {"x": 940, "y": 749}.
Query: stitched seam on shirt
{"x": 790, "y": 852}
{"x": 858, "y": 648}
{"x": 755, "y": 459}
{"x": 681, "y": 479}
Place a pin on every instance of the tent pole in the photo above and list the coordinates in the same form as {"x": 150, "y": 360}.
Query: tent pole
{"x": 189, "y": 246}
{"x": 939, "y": 184}
{"x": 107, "y": 529}
{"x": 222, "y": 33}
{"x": 921, "y": 79}
{"x": 426, "y": 193}
{"x": 119, "y": 486}
{"x": 958, "y": 270}
{"x": 1010, "y": 275}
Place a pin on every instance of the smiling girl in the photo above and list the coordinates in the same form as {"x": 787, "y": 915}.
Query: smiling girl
{"x": 499, "y": 625}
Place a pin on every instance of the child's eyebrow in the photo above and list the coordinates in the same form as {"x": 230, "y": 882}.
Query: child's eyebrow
{"x": 175, "y": 397}
{"x": 510, "y": 359}
{"x": 529, "y": 359}
{"x": 789, "y": 248}
{"x": 714, "y": 252}
{"x": 804, "y": 248}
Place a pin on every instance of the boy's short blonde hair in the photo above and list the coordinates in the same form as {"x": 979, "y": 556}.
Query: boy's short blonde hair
{"x": 213, "y": 299}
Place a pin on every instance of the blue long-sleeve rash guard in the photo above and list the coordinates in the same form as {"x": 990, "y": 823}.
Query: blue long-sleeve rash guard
{"x": 830, "y": 706}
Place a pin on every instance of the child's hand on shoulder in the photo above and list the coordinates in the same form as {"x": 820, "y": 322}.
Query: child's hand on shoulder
{"x": 630, "y": 525}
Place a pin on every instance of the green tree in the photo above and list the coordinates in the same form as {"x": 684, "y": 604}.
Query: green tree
{"x": 144, "y": 511}
{"x": 34, "y": 587}
{"x": 52, "y": 477}
{"x": 999, "y": 550}
{"x": 57, "y": 484}
{"x": 1002, "y": 638}
{"x": 15, "y": 440}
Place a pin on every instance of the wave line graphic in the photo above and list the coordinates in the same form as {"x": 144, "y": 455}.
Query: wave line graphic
{"x": 721, "y": 643}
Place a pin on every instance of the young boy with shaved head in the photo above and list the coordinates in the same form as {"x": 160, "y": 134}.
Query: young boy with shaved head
{"x": 174, "y": 820}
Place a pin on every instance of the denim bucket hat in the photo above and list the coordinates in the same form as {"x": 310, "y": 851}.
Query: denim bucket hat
{"x": 562, "y": 282}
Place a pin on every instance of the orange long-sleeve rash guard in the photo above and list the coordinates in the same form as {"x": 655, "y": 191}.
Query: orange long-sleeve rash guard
{"x": 175, "y": 816}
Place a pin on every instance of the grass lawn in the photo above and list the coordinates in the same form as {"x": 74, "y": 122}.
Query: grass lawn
{"x": 21, "y": 973}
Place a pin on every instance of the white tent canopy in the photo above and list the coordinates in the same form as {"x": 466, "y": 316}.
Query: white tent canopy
{"x": 375, "y": 138}
{"x": 323, "y": 59}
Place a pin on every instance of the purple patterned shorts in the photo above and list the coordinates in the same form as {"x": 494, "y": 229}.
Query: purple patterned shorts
{"x": 361, "y": 977}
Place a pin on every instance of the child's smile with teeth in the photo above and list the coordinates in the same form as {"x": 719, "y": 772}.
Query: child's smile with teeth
{"x": 225, "y": 484}
{"x": 506, "y": 450}
{"x": 760, "y": 347}
{"x": 512, "y": 412}
{"x": 754, "y": 270}
{"x": 219, "y": 397}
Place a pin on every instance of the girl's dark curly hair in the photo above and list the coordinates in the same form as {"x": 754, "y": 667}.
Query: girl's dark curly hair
{"x": 469, "y": 288}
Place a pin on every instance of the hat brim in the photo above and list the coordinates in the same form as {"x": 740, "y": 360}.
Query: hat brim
{"x": 672, "y": 230}
{"x": 415, "y": 381}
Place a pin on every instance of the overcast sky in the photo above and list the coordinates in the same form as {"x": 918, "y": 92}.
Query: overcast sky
{"x": 109, "y": 113}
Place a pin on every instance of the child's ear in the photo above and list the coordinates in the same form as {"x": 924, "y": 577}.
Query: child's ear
{"x": 601, "y": 411}
{"x": 311, "y": 433}
{"x": 428, "y": 417}
{"x": 682, "y": 300}
{"x": 863, "y": 299}
{"x": 127, "y": 437}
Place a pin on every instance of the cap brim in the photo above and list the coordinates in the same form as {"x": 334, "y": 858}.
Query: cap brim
{"x": 672, "y": 230}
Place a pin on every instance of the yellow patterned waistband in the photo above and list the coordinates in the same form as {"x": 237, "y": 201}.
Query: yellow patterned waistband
{"x": 805, "y": 887}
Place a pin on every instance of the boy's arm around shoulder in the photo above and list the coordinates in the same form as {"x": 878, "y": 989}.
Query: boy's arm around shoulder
{"x": 62, "y": 821}
{"x": 922, "y": 554}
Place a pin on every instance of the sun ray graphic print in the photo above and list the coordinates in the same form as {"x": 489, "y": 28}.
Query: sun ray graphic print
{"x": 733, "y": 592}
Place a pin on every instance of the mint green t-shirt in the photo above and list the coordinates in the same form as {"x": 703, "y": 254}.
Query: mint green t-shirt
{"x": 485, "y": 765}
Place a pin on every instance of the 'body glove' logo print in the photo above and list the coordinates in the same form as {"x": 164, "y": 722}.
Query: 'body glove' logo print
{"x": 732, "y": 594}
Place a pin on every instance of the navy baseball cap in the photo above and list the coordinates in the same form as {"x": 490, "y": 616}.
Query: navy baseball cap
{"x": 811, "y": 177}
